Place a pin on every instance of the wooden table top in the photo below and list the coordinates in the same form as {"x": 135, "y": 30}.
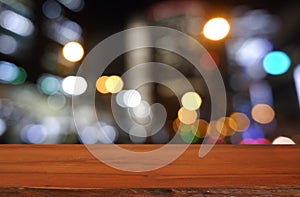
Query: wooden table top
{"x": 229, "y": 168}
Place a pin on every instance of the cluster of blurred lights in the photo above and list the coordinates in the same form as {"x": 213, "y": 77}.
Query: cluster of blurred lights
{"x": 186, "y": 122}
{"x": 63, "y": 30}
{"x": 112, "y": 84}
{"x": 70, "y": 85}
{"x": 191, "y": 128}
{"x": 11, "y": 74}
{"x": 254, "y": 54}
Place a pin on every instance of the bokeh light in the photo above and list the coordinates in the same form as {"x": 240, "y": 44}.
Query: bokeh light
{"x": 74, "y": 5}
{"x": 143, "y": 110}
{"x": 21, "y": 77}
{"x": 16, "y": 23}
{"x": 276, "y": 63}
{"x": 3, "y": 126}
{"x": 74, "y": 85}
{"x": 241, "y": 121}
{"x": 73, "y": 51}
{"x": 114, "y": 84}
{"x": 216, "y": 29}
{"x": 132, "y": 98}
{"x": 252, "y": 51}
{"x": 56, "y": 101}
{"x": 255, "y": 141}
{"x": 120, "y": 98}
{"x": 89, "y": 135}
{"x": 176, "y": 125}
{"x": 226, "y": 126}
{"x": 262, "y": 113}
{"x": 51, "y": 9}
{"x": 297, "y": 81}
{"x": 107, "y": 134}
{"x": 49, "y": 84}
{"x": 191, "y": 101}
{"x": 202, "y": 128}
{"x": 8, "y": 44}
{"x": 8, "y": 72}
{"x": 34, "y": 133}
{"x": 283, "y": 140}
{"x": 100, "y": 84}
{"x": 188, "y": 133}
{"x": 187, "y": 116}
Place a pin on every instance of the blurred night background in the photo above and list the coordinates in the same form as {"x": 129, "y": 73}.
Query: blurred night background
{"x": 255, "y": 45}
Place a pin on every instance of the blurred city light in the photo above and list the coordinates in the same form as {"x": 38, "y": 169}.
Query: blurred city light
{"x": 283, "y": 140}
{"x": 189, "y": 133}
{"x": 49, "y": 84}
{"x": 252, "y": 50}
{"x": 101, "y": 84}
{"x": 114, "y": 84}
{"x": 241, "y": 121}
{"x": 43, "y": 43}
{"x": 63, "y": 30}
{"x": 73, "y": 51}
{"x": 34, "y": 134}
{"x": 262, "y": 113}
{"x": 187, "y": 116}
{"x": 143, "y": 110}
{"x": 216, "y": 29}
{"x": 276, "y": 63}
{"x": 202, "y": 128}
{"x": 8, "y": 72}
{"x": 107, "y": 135}
{"x": 16, "y": 23}
{"x": 2, "y": 126}
{"x": 74, "y": 5}
{"x": 191, "y": 101}
{"x": 21, "y": 77}
{"x": 297, "y": 81}
{"x": 74, "y": 85}
{"x": 132, "y": 98}
{"x": 89, "y": 135}
{"x": 51, "y": 9}
{"x": 226, "y": 126}
{"x": 8, "y": 44}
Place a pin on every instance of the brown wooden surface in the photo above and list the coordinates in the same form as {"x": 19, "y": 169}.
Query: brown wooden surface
{"x": 71, "y": 167}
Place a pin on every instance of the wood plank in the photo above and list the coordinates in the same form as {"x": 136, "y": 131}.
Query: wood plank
{"x": 207, "y": 192}
{"x": 66, "y": 167}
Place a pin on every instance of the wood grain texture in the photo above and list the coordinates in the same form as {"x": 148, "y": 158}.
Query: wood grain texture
{"x": 64, "y": 168}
